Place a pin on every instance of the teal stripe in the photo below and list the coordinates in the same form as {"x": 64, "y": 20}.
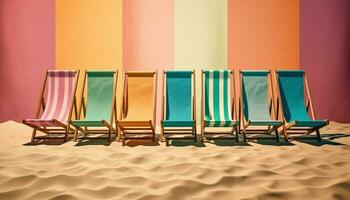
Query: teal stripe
{"x": 216, "y": 96}
{"x": 226, "y": 103}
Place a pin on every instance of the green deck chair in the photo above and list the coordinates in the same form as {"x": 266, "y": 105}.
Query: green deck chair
{"x": 178, "y": 105}
{"x": 217, "y": 104}
{"x": 100, "y": 105}
{"x": 257, "y": 102}
{"x": 295, "y": 110}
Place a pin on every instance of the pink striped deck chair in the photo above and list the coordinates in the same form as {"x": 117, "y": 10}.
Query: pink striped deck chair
{"x": 55, "y": 111}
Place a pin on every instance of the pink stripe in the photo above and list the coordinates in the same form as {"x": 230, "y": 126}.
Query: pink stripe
{"x": 50, "y": 95}
{"x": 60, "y": 96}
{"x": 64, "y": 97}
{"x": 70, "y": 97}
{"x": 55, "y": 98}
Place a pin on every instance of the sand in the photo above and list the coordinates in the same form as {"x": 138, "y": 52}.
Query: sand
{"x": 304, "y": 169}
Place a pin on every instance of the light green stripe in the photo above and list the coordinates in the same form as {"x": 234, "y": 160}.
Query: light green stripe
{"x": 207, "y": 113}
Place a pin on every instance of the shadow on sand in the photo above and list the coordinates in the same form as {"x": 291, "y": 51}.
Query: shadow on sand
{"x": 327, "y": 139}
{"x": 273, "y": 142}
{"x": 94, "y": 141}
{"x": 49, "y": 142}
{"x": 141, "y": 142}
{"x": 185, "y": 143}
{"x": 227, "y": 143}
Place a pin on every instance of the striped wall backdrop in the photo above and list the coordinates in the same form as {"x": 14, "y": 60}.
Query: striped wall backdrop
{"x": 36, "y": 35}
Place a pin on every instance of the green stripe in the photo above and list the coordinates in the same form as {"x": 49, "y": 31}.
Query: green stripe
{"x": 226, "y": 103}
{"x": 207, "y": 113}
{"x": 216, "y": 97}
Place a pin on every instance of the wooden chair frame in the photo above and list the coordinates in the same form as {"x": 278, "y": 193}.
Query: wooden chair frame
{"x": 235, "y": 128}
{"x": 290, "y": 127}
{"x": 179, "y": 131}
{"x": 61, "y": 128}
{"x": 108, "y": 125}
{"x": 146, "y": 127}
{"x": 272, "y": 108}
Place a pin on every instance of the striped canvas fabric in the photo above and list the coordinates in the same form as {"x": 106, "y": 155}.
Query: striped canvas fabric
{"x": 218, "y": 99}
{"x": 60, "y": 90}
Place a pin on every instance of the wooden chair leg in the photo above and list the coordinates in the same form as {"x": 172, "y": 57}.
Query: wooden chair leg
{"x": 244, "y": 134}
{"x": 116, "y": 136}
{"x": 120, "y": 133}
{"x": 318, "y": 135}
{"x": 202, "y": 133}
{"x": 33, "y": 135}
{"x": 195, "y": 133}
{"x": 161, "y": 133}
{"x": 109, "y": 135}
{"x": 277, "y": 135}
{"x": 154, "y": 135}
{"x": 75, "y": 135}
{"x": 123, "y": 141}
{"x": 66, "y": 134}
{"x": 167, "y": 142}
{"x": 285, "y": 133}
{"x": 237, "y": 131}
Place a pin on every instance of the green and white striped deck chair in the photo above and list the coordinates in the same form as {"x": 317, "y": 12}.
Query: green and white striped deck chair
{"x": 258, "y": 111}
{"x": 217, "y": 103}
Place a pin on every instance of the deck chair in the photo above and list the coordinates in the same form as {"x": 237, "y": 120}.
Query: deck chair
{"x": 218, "y": 104}
{"x": 55, "y": 111}
{"x": 178, "y": 106}
{"x": 257, "y": 107}
{"x": 99, "y": 109}
{"x": 294, "y": 109}
{"x": 138, "y": 113}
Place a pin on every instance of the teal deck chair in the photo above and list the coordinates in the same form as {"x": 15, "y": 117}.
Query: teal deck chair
{"x": 218, "y": 105}
{"x": 295, "y": 110}
{"x": 257, "y": 103}
{"x": 178, "y": 106}
{"x": 100, "y": 107}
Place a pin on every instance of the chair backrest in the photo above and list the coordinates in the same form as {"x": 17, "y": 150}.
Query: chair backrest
{"x": 61, "y": 86}
{"x": 291, "y": 87}
{"x": 100, "y": 95}
{"x": 139, "y": 96}
{"x": 255, "y": 95}
{"x": 217, "y": 94}
{"x": 179, "y": 96}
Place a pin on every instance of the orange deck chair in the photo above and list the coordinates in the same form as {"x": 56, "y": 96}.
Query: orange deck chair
{"x": 138, "y": 113}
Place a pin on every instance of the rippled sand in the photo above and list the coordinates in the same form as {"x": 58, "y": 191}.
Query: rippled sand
{"x": 94, "y": 169}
